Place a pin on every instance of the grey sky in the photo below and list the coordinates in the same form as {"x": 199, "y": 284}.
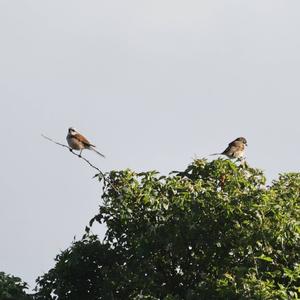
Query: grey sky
{"x": 151, "y": 83}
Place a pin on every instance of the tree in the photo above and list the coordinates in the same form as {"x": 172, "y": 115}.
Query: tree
{"x": 213, "y": 231}
{"x": 12, "y": 288}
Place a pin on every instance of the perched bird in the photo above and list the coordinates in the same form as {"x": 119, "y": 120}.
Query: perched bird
{"x": 235, "y": 149}
{"x": 77, "y": 141}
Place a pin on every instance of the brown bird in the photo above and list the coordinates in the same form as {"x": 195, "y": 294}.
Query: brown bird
{"x": 235, "y": 149}
{"x": 77, "y": 141}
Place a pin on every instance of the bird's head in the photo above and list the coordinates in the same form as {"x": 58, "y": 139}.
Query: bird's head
{"x": 72, "y": 130}
{"x": 243, "y": 140}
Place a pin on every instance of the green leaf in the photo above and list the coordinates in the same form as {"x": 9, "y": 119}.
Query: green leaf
{"x": 265, "y": 258}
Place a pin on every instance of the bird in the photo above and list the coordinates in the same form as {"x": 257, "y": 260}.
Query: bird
{"x": 235, "y": 149}
{"x": 77, "y": 141}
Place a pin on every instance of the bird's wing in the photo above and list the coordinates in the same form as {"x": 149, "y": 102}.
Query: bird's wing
{"x": 228, "y": 151}
{"x": 82, "y": 139}
{"x": 233, "y": 147}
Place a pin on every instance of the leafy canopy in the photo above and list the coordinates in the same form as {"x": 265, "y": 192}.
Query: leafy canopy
{"x": 213, "y": 231}
{"x": 12, "y": 288}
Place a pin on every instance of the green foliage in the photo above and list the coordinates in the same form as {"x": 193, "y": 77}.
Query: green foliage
{"x": 12, "y": 288}
{"x": 81, "y": 272}
{"x": 213, "y": 231}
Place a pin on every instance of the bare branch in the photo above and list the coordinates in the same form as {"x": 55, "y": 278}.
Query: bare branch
{"x": 87, "y": 161}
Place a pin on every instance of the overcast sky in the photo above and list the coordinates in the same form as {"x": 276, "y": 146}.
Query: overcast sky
{"x": 152, "y": 84}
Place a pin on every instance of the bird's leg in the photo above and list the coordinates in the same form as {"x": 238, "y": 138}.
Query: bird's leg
{"x": 243, "y": 162}
{"x": 240, "y": 159}
{"x": 80, "y": 153}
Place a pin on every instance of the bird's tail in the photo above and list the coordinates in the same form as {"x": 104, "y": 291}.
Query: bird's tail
{"x": 92, "y": 148}
{"x": 215, "y": 154}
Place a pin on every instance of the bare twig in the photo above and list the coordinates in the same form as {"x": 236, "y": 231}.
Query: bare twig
{"x": 87, "y": 161}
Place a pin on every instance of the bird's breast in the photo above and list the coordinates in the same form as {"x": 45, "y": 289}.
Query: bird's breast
{"x": 74, "y": 143}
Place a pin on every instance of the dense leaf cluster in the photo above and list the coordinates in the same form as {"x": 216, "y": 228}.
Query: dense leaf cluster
{"x": 213, "y": 231}
{"x": 12, "y": 288}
